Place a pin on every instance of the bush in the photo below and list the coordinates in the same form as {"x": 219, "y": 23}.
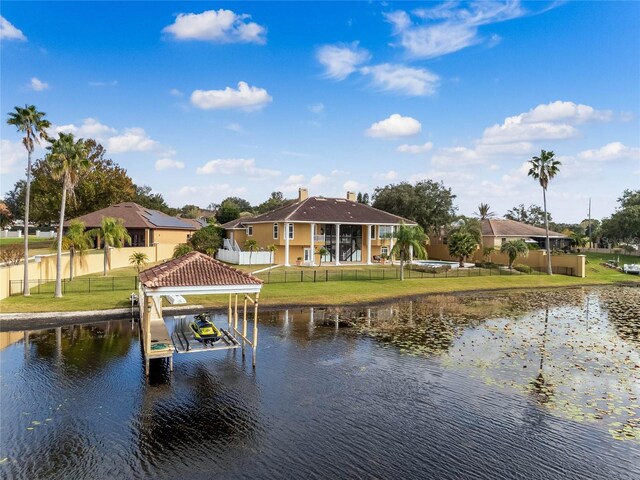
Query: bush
{"x": 12, "y": 254}
{"x": 181, "y": 250}
{"x": 429, "y": 268}
{"x": 523, "y": 268}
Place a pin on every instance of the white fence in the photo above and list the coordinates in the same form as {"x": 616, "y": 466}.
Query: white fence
{"x": 10, "y": 234}
{"x": 242, "y": 258}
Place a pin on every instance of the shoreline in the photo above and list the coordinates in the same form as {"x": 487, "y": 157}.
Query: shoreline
{"x": 11, "y": 322}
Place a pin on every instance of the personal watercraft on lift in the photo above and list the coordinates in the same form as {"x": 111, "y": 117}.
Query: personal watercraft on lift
{"x": 204, "y": 330}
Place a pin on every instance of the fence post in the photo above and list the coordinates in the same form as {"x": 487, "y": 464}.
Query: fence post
{"x": 285, "y": 276}
{"x": 326, "y": 275}
{"x": 39, "y": 282}
{"x": 314, "y": 276}
{"x": 64, "y": 286}
{"x": 89, "y": 284}
{"x": 301, "y": 276}
{"x": 356, "y": 274}
{"x": 113, "y": 284}
{"x": 269, "y": 276}
{"x": 383, "y": 273}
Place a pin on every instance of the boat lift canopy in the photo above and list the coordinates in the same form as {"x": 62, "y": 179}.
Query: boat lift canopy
{"x": 195, "y": 274}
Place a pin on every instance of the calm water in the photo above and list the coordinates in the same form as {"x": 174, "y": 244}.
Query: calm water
{"x": 542, "y": 385}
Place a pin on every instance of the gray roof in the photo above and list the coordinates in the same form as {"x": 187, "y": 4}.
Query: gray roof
{"x": 323, "y": 210}
{"x": 502, "y": 227}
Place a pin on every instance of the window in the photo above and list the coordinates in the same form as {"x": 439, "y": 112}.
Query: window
{"x": 373, "y": 232}
{"x": 250, "y": 230}
{"x": 291, "y": 231}
{"x": 384, "y": 251}
{"x": 275, "y": 231}
{"x": 503, "y": 240}
{"x": 385, "y": 231}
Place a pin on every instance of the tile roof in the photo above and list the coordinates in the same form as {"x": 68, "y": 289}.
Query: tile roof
{"x": 135, "y": 216}
{"x": 195, "y": 269}
{"x": 502, "y": 227}
{"x": 324, "y": 210}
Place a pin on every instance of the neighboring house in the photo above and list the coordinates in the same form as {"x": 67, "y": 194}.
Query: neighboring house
{"x": 145, "y": 226}
{"x": 351, "y": 232}
{"x": 497, "y": 231}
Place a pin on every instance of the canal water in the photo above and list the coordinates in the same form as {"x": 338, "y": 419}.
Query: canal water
{"x": 538, "y": 385}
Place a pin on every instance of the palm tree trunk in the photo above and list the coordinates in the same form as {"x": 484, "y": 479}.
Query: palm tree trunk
{"x": 546, "y": 229}
{"x": 401, "y": 266}
{"x": 25, "y": 283}
{"x": 58, "y": 291}
{"x": 72, "y": 256}
{"x": 105, "y": 259}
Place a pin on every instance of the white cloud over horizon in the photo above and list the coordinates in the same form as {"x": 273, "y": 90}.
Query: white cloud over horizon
{"x": 245, "y": 97}
{"x": 415, "y": 149}
{"x": 9, "y": 32}
{"x": 400, "y": 78}
{"x": 394, "y": 127}
{"x": 610, "y": 152}
{"x": 131, "y": 140}
{"x": 221, "y": 26}
{"x": 167, "y": 163}
{"x": 13, "y": 155}
{"x": 237, "y": 166}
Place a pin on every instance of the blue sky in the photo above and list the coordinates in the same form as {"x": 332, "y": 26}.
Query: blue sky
{"x": 206, "y": 100}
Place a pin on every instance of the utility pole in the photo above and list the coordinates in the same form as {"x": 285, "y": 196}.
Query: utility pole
{"x": 590, "y": 243}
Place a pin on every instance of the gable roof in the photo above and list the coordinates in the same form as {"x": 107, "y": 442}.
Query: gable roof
{"x": 136, "y": 216}
{"x": 195, "y": 269}
{"x": 323, "y": 210}
{"x": 502, "y": 227}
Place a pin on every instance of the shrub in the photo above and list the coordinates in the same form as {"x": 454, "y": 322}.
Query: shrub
{"x": 182, "y": 249}
{"x": 523, "y": 268}
{"x": 12, "y": 254}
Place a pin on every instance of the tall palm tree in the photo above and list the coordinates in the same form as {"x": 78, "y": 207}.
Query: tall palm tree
{"x": 322, "y": 251}
{"x": 543, "y": 169}
{"x": 113, "y": 233}
{"x": 67, "y": 161}
{"x": 406, "y": 239}
{"x": 32, "y": 123}
{"x": 484, "y": 212}
{"x": 76, "y": 241}
{"x": 514, "y": 249}
{"x": 252, "y": 246}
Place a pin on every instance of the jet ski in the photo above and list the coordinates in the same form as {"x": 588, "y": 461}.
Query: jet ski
{"x": 204, "y": 330}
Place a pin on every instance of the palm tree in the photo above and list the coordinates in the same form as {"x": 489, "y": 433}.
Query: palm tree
{"x": 543, "y": 169}
{"x": 139, "y": 259}
{"x": 484, "y": 212}
{"x": 406, "y": 239}
{"x": 76, "y": 241}
{"x": 67, "y": 161}
{"x": 272, "y": 248}
{"x": 182, "y": 249}
{"x": 252, "y": 246}
{"x": 514, "y": 249}
{"x": 462, "y": 244}
{"x": 322, "y": 251}
{"x": 578, "y": 240}
{"x": 113, "y": 233}
{"x": 31, "y": 122}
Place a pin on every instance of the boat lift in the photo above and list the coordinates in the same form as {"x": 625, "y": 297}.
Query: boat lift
{"x": 196, "y": 274}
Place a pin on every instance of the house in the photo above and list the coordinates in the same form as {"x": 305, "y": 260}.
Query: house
{"x": 145, "y": 226}
{"x": 496, "y": 231}
{"x": 349, "y": 231}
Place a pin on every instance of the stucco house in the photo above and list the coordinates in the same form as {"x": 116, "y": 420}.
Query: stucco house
{"x": 351, "y": 232}
{"x": 145, "y": 226}
{"x": 496, "y": 231}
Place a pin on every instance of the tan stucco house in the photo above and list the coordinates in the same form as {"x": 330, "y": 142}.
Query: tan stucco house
{"x": 145, "y": 226}
{"x": 496, "y": 231}
{"x": 351, "y": 232}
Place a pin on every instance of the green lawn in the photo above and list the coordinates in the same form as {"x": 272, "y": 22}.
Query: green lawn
{"x": 325, "y": 293}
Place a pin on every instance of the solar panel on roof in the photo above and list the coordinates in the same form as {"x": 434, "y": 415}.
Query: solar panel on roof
{"x": 161, "y": 220}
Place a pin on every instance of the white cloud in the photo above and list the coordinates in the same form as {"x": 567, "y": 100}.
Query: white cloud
{"x": 340, "y": 61}
{"x": 395, "y": 126}
{"x": 176, "y": 93}
{"x": 132, "y": 140}
{"x": 245, "y": 97}
{"x": 400, "y": 78}
{"x": 517, "y": 176}
{"x": 166, "y": 163}
{"x": 222, "y": 26}
{"x": 13, "y": 156}
{"x": 458, "y": 156}
{"x": 294, "y": 179}
{"x": 551, "y": 121}
{"x": 610, "y": 152}
{"x": 317, "y": 108}
{"x": 353, "y": 186}
{"x": 390, "y": 175}
{"x": 191, "y": 194}
{"x": 38, "y": 85}
{"x": 235, "y": 127}
{"x": 9, "y": 32}
{"x": 319, "y": 179}
{"x": 339, "y": 173}
{"x": 236, "y": 166}
{"x": 406, "y": 148}
{"x": 448, "y": 28}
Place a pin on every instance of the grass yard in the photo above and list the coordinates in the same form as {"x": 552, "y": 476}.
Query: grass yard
{"x": 324, "y": 293}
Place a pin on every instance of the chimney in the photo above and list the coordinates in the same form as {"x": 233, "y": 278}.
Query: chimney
{"x": 351, "y": 196}
{"x": 303, "y": 194}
